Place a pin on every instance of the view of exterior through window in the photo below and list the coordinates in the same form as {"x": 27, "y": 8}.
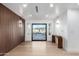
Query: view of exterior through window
{"x": 39, "y": 31}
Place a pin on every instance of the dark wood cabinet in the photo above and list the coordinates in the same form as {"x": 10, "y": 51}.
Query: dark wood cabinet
{"x": 53, "y": 38}
{"x": 58, "y": 40}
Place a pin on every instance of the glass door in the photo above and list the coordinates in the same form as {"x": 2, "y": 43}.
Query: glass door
{"x": 39, "y": 32}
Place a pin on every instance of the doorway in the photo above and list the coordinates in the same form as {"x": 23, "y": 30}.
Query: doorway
{"x": 39, "y": 32}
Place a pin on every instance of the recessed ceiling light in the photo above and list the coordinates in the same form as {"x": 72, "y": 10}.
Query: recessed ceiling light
{"x": 47, "y": 15}
{"x": 24, "y": 5}
{"x": 77, "y": 3}
{"x": 51, "y": 5}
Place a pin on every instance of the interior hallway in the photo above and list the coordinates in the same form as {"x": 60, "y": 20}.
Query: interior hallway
{"x": 16, "y": 21}
{"x": 38, "y": 48}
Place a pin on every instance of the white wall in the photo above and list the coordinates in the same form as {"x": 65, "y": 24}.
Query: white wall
{"x": 69, "y": 29}
{"x": 61, "y": 28}
{"x": 73, "y": 30}
{"x": 28, "y": 25}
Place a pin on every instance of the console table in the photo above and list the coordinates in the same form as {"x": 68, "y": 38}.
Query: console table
{"x": 57, "y": 40}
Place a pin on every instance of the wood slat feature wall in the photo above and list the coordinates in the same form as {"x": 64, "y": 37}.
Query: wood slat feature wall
{"x": 11, "y": 31}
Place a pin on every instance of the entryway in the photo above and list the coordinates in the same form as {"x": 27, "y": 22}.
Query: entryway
{"x": 39, "y": 32}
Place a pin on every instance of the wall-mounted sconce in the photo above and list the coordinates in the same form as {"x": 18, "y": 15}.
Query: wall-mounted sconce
{"x": 20, "y": 23}
{"x": 57, "y": 23}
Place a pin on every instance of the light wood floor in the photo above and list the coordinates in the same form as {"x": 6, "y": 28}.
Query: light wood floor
{"x": 38, "y": 48}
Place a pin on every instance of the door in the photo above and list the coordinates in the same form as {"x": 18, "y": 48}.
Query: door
{"x": 39, "y": 32}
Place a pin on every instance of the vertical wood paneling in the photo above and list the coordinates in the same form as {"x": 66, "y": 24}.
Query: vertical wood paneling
{"x": 10, "y": 33}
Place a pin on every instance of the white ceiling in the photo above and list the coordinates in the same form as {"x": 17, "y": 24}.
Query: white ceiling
{"x": 45, "y": 11}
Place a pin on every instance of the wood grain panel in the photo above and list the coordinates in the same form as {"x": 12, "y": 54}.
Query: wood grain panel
{"x": 10, "y": 33}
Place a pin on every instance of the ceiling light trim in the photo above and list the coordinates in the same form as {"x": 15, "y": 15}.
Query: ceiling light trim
{"x": 24, "y": 5}
{"x": 51, "y": 5}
